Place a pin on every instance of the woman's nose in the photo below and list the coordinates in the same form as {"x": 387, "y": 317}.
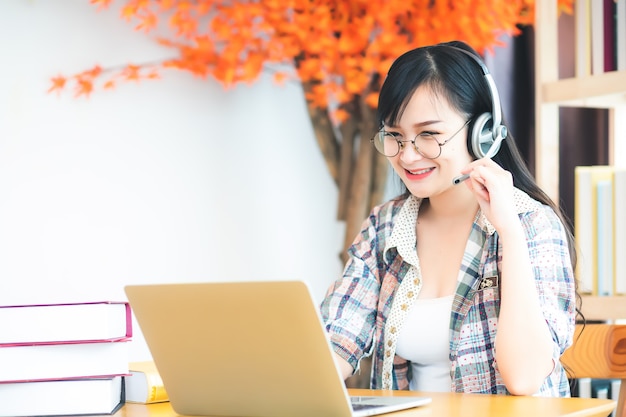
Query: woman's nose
{"x": 409, "y": 152}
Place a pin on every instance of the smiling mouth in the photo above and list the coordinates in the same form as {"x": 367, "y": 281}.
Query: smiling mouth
{"x": 420, "y": 171}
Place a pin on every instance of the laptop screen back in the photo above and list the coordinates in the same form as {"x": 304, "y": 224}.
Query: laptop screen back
{"x": 240, "y": 348}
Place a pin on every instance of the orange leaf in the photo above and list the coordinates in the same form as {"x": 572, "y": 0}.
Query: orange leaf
{"x": 340, "y": 116}
{"x": 131, "y": 72}
{"x": 147, "y": 23}
{"x": 252, "y": 67}
{"x": 92, "y": 73}
{"x": 372, "y": 100}
{"x": 153, "y": 75}
{"x": 58, "y": 83}
{"x": 166, "y": 4}
{"x": 280, "y": 78}
{"x": 128, "y": 11}
{"x": 83, "y": 88}
{"x": 102, "y": 4}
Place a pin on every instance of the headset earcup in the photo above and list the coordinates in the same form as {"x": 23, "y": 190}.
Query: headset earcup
{"x": 482, "y": 136}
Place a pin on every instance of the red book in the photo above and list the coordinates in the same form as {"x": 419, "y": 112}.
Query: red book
{"x": 610, "y": 33}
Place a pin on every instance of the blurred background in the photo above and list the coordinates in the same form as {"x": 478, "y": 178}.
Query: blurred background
{"x": 184, "y": 180}
{"x": 175, "y": 180}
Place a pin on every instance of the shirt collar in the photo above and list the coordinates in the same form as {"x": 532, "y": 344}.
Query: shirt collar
{"x": 403, "y": 235}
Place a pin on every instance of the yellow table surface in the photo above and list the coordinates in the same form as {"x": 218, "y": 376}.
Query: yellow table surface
{"x": 449, "y": 405}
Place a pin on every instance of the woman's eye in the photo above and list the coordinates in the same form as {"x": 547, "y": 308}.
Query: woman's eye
{"x": 428, "y": 134}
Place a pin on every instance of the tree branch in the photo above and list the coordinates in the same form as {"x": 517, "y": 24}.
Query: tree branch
{"x": 325, "y": 135}
{"x": 349, "y": 130}
{"x": 379, "y": 162}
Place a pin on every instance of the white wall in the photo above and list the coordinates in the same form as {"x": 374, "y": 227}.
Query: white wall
{"x": 164, "y": 181}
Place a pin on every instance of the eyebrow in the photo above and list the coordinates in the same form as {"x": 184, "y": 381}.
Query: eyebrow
{"x": 418, "y": 125}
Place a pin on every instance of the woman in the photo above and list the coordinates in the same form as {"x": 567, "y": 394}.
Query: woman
{"x": 467, "y": 287}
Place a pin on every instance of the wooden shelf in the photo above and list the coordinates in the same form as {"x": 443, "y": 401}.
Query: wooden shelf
{"x": 599, "y": 91}
{"x": 606, "y": 90}
{"x": 604, "y": 308}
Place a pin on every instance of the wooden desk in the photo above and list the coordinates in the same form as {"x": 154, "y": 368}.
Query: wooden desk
{"x": 450, "y": 405}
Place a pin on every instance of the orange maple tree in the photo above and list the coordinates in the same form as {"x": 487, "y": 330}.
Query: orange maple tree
{"x": 339, "y": 50}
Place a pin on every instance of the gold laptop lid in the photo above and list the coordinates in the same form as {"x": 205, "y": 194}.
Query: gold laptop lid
{"x": 240, "y": 349}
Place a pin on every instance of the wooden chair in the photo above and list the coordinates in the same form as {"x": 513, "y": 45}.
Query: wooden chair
{"x": 599, "y": 351}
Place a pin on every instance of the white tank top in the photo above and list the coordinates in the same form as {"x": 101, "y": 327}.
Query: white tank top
{"x": 425, "y": 341}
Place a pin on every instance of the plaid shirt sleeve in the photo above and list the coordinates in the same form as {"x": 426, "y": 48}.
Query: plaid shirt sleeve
{"x": 351, "y": 306}
{"x": 554, "y": 278}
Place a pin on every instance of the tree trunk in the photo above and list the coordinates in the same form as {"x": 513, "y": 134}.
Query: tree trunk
{"x": 357, "y": 169}
{"x": 360, "y": 191}
{"x": 349, "y": 131}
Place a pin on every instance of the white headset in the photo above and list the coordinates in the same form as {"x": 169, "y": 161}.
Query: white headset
{"x": 488, "y": 131}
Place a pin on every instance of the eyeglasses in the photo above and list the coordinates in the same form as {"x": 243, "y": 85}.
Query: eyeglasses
{"x": 389, "y": 143}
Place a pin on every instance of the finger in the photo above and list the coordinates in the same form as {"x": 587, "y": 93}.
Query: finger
{"x": 478, "y": 186}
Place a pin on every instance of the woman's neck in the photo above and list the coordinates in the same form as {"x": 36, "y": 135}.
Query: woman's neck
{"x": 458, "y": 203}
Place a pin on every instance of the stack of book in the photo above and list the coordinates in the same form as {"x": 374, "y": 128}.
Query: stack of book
{"x": 63, "y": 359}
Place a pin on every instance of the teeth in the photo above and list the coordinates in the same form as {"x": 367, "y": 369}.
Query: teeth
{"x": 421, "y": 171}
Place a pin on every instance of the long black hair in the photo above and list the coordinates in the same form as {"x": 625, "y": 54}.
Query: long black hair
{"x": 458, "y": 78}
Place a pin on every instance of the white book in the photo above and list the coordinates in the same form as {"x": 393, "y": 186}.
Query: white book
{"x": 597, "y": 37}
{"x": 584, "y": 228}
{"x": 59, "y": 361}
{"x": 66, "y": 397}
{"x": 619, "y": 208}
{"x": 602, "y": 393}
{"x": 584, "y": 387}
{"x": 586, "y": 179}
{"x": 604, "y": 190}
{"x": 583, "y": 41}
{"x": 30, "y": 324}
{"x": 615, "y": 387}
{"x": 620, "y": 38}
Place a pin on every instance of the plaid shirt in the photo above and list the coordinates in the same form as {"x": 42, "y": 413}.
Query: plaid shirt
{"x": 364, "y": 310}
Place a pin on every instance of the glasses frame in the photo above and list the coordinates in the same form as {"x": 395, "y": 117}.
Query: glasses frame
{"x": 402, "y": 142}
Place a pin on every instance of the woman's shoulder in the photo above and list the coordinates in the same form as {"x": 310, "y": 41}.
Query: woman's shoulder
{"x": 533, "y": 211}
{"x": 524, "y": 202}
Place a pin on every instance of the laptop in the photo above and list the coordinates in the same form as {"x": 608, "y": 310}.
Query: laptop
{"x": 247, "y": 349}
